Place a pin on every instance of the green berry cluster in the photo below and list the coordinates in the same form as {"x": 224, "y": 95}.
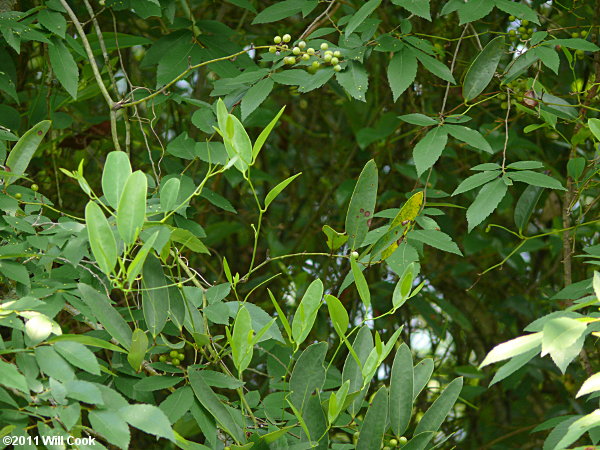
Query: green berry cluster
{"x": 300, "y": 52}
{"x": 523, "y": 32}
{"x": 176, "y": 358}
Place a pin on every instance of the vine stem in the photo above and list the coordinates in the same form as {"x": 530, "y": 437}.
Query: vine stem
{"x": 90, "y": 54}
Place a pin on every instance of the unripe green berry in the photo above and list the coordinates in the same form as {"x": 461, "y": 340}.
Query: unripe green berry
{"x": 402, "y": 440}
{"x": 176, "y": 361}
{"x": 327, "y": 58}
{"x": 310, "y": 51}
{"x": 305, "y": 57}
{"x": 173, "y": 353}
{"x": 337, "y": 68}
{"x": 522, "y": 29}
{"x": 316, "y": 65}
{"x": 386, "y": 448}
{"x": 296, "y": 50}
{"x": 512, "y": 18}
{"x": 329, "y": 52}
{"x": 284, "y": 46}
{"x": 272, "y": 49}
{"x": 512, "y": 32}
{"x": 524, "y": 36}
{"x": 301, "y": 44}
{"x": 334, "y": 61}
{"x": 18, "y": 196}
{"x": 324, "y": 46}
{"x": 162, "y": 358}
{"x": 393, "y": 442}
{"x": 354, "y": 254}
{"x": 286, "y": 38}
{"x": 337, "y": 54}
{"x": 584, "y": 34}
{"x": 504, "y": 105}
{"x": 524, "y": 22}
{"x": 575, "y": 34}
{"x": 181, "y": 356}
{"x": 291, "y": 60}
{"x": 277, "y": 39}
{"x": 35, "y": 187}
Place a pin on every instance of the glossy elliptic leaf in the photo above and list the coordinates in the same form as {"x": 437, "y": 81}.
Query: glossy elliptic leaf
{"x": 437, "y": 412}
{"x": 361, "y": 283}
{"x": 418, "y": 119}
{"x": 273, "y": 193}
{"x": 359, "y": 16}
{"x": 526, "y": 204}
{"x": 117, "y": 169}
{"x": 137, "y": 352}
{"x": 362, "y": 345}
{"x": 434, "y": 66}
{"x": 169, "y": 193}
{"x": 486, "y": 202}
{"x": 140, "y": 258}
{"x": 362, "y": 205}
{"x": 375, "y": 423}
{"x": 308, "y": 374}
{"x": 401, "y": 390}
{"x": 404, "y": 286}
{"x": 305, "y": 315}
{"x": 429, "y": 149}
{"x": 100, "y": 235}
{"x": 401, "y": 71}
{"x": 131, "y": 211}
{"x": 241, "y": 341}
{"x": 338, "y": 314}
{"x": 517, "y": 9}
{"x": 148, "y": 418}
{"x": 422, "y": 373}
{"x": 536, "y": 179}
{"x": 155, "y": 295}
{"x": 237, "y": 142}
{"x": 21, "y": 154}
{"x": 594, "y": 125}
{"x": 106, "y": 314}
{"x": 592, "y": 384}
{"x": 278, "y": 11}
{"x": 482, "y": 69}
{"x": 64, "y": 66}
{"x": 512, "y": 348}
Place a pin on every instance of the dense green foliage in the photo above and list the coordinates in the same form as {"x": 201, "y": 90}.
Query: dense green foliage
{"x": 300, "y": 224}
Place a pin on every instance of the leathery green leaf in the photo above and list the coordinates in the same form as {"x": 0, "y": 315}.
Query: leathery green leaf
{"x": 21, "y": 154}
{"x": 137, "y": 352}
{"x": 116, "y": 172}
{"x": 482, "y": 69}
{"x": 361, "y": 283}
{"x": 131, "y": 211}
{"x": 362, "y": 205}
{"x": 100, "y": 235}
{"x": 307, "y": 312}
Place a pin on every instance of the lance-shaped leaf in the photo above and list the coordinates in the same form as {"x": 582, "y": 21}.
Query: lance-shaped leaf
{"x": 512, "y": 348}
{"x": 241, "y": 340}
{"x": 131, "y": 211}
{"x": 155, "y": 295}
{"x": 361, "y": 283}
{"x": 362, "y": 205}
{"x": 307, "y": 312}
{"x": 21, "y": 154}
{"x": 373, "y": 428}
{"x": 401, "y": 71}
{"x": 482, "y": 69}
{"x": 401, "y": 390}
{"x": 435, "y": 415}
{"x": 100, "y": 235}
{"x": 486, "y": 202}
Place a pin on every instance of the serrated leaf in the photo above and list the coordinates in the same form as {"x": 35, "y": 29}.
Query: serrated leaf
{"x": 514, "y": 347}
{"x": 401, "y": 71}
{"x": 419, "y": 8}
{"x": 536, "y": 179}
{"x": 437, "y": 239}
{"x": 476, "y": 180}
{"x": 487, "y": 200}
{"x": 355, "y": 80}
{"x": 255, "y": 96}
{"x": 359, "y": 16}
{"x": 148, "y": 418}
{"x": 429, "y": 149}
{"x": 469, "y": 136}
